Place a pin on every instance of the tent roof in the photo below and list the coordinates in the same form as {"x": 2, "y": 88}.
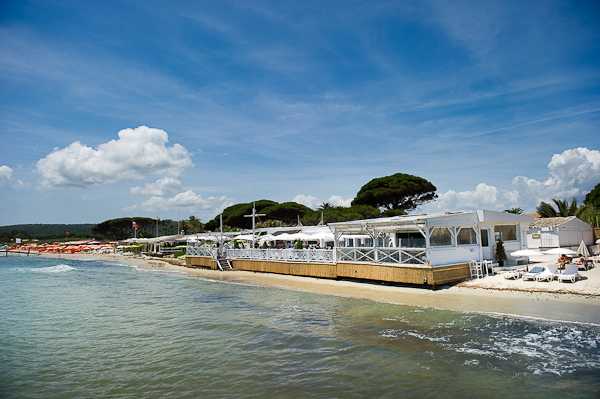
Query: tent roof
{"x": 551, "y": 222}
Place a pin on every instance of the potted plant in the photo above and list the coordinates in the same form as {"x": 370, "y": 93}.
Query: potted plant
{"x": 500, "y": 253}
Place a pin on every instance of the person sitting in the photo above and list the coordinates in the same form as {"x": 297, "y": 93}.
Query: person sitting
{"x": 582, "y": 262}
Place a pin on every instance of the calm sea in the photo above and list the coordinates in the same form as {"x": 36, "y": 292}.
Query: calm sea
{"x": 73, "y": 329}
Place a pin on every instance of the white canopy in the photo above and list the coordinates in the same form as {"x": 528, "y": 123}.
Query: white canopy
{"x": 322, "y": 235}
{"x": 244, "y": 237}
{"x": 560, "y": 251}
{"x": 583, "y": 250}
{"x": 526, "y": 252}
{"x": 205, "y": 238}
{"x": 285, "y": 237}
{"x": 267, "y": 237}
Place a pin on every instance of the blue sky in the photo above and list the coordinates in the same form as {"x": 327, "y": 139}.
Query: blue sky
{"x": 284, "y": 100}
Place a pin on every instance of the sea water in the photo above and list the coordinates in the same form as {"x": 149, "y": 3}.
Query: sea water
{"x": 73, "y": 329}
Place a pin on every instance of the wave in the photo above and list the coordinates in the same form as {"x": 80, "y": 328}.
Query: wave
{"x": 53, "y": 269}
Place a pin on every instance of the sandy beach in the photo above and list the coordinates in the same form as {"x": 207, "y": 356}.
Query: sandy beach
{"x": 480, "y": 296}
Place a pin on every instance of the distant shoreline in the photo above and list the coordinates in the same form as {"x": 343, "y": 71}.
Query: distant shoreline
{"x": 554, "y": 306}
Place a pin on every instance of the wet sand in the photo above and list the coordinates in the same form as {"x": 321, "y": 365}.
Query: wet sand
{"x": 558, "y": 306}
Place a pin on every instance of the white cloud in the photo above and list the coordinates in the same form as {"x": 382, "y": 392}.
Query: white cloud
{"x": 185, "y": 200}
{"x": 163, "y": 186}
{"x": 6, "y": 173}
{"x": 337, "y": 200}
{"x": 137, "y": 152}
{"x": 571, "y": 174}
{"x": 308, "y": 200}
{"x": 313, "y": 202}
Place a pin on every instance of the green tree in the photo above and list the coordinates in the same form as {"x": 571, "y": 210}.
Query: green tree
{"x": 593, "y": 197}
{"x": 325, "y": 205}
{"x": 516, "y": 211}
{"x": 233, "y": 216}
{"x": 286, "y": 212}
{"x": 561, "y": 208}
{"x": 399, "y": 191}
{"x": 193, "y": 225}
{"x": 121, "y": 228}
{"x": 341, "y": 214}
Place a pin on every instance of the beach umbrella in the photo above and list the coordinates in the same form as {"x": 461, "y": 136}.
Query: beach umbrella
{"x": 526, "y": 253}
{"x": 560, "y": 251}
{"x": 583, "y": 250}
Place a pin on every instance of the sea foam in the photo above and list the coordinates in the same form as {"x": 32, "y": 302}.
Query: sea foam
{"x": 53, "y": 269}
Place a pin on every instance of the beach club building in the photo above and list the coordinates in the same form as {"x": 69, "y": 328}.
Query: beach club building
{"x": 546, "y": 233}
{"x": 430, "y": 249}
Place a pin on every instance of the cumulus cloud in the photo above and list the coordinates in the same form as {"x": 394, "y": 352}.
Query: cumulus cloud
{"x": 307, "y": 200}
{"x": 6, "y": 173}
{"x": 483, "y": 196}
{"x": 571, "y": 174}
{"x": 137, "y": 153}
{"x": 313, "y": 202}
{"x": 163, "y": 186}
{"x": 185, "y": 200}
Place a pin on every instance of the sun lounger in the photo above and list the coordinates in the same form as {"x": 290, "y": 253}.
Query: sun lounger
{"x": 548, "y": 274}
{"x": 513, "y": 274}
{"x": 570, "y": 274}
{"x": 533, "y": 273}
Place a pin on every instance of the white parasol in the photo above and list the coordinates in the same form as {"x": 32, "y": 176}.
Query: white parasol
{"x": 560, "y": 251}
{"x": 583, "y": 250}
{"x": 526, "y": 253}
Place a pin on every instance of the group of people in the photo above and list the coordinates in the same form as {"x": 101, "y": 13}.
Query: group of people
{"x": 564, "y": 260}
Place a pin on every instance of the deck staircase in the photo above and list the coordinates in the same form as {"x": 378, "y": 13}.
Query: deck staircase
{"x": 223, "y": 263}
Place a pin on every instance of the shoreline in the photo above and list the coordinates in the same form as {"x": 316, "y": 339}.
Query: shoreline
{"x": 531, "y": 304}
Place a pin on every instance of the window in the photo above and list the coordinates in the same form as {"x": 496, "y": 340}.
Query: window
{"x": 440, "y": 236}
{"x": 410, "y": 240}
{"x": 368, "y": 242}
{"x": 467, "y": 236}
{"x": 506, "y": 232}
{"x": 484, "y": 238}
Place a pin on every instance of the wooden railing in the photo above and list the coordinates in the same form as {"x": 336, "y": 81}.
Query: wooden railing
{"x": 382, "y": 255}
{"x": 294, "y": 255}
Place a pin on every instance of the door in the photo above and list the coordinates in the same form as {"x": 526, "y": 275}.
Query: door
{"x": 485, "y": 244}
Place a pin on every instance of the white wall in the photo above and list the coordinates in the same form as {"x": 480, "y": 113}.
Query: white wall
{"x": 439, "y": 256}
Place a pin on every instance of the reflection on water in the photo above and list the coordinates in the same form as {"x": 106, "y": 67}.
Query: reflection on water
{"x": 96, "y": 329}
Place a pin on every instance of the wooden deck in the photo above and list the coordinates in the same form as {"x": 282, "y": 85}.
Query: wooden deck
{"x": 404, "y": 274}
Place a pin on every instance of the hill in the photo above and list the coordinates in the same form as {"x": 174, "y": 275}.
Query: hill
{"x": 46, "y": 231}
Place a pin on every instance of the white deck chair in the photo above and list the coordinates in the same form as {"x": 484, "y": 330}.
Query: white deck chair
{"x": 570, "y": 274}
{"x": 548, "y": 274}
{"x": 513, "y": 274}
{"x": 533, "y": 273}
{"x": 476, "y": 269}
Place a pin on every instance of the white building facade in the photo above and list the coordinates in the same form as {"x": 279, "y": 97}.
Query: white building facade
{"x": 559, "y": 232}
{"x": 431, "y": 239}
